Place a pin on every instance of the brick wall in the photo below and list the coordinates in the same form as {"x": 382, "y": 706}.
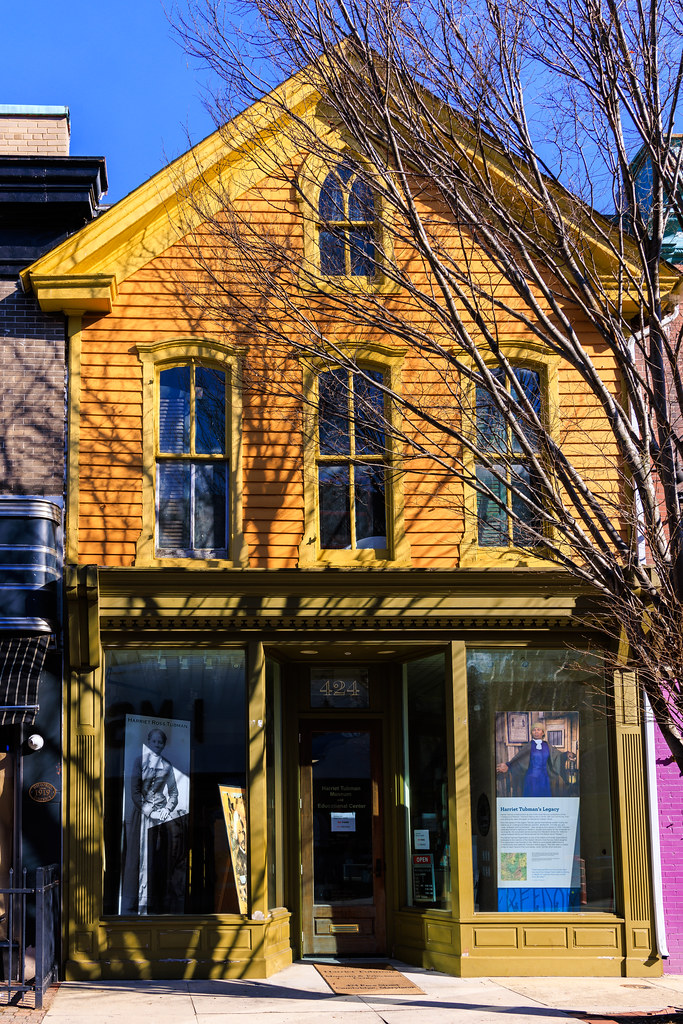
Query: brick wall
{"x": 670, "y": 792}
{"x": 34, "y": 135}
{"x": 32, "y": 378}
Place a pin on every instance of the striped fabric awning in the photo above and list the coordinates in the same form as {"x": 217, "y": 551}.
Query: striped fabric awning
{"x": 21, "y": 661}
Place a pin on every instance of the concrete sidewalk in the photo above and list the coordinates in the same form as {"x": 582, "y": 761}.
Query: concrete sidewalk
{"x": 298, "y": 995}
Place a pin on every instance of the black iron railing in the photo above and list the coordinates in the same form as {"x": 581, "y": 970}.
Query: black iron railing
{"x": 20, "y": 974}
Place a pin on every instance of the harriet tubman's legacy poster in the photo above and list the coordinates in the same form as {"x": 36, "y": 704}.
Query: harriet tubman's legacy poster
{"x": 537, "y": 803}
{"x": 156, "y": 806}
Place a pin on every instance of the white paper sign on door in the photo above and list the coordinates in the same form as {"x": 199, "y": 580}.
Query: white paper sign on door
{"x": 343, "y": 821}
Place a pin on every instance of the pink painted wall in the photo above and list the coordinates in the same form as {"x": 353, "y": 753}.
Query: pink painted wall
{"x": 670, "y": 793}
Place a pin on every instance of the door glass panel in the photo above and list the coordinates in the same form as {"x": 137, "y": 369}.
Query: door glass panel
{"x": 426, "y": 794}
{"x": 342, "y": 818}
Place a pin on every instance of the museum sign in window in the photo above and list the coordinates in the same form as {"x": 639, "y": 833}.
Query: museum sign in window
{"x": 175, "y": 782}
{"x": 426, "y": 784}
{"x": 540, "y": 782}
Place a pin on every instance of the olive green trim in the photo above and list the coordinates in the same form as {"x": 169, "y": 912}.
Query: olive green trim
{"x": 220, "y": 946}
{"x": 257, "y": 822}
{"x": 459, "y": 780}
{"x": 403, "y": 602}
{"x": 223, "y": 606}
{"x": 82, "y": 594}
{"x": 508, "y": 945}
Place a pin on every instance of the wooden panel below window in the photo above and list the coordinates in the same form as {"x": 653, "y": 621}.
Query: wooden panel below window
{"x": 548, "y": 938}
{"x": 492, "y": 937}
{"x": 596, "y": 938}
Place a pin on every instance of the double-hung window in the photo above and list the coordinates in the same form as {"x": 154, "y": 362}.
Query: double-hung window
{"x": 508, "y": 487}
{"x": 347, "y": 224}
{"x": 351, "y": 460}
{"x": 192, "y": 465}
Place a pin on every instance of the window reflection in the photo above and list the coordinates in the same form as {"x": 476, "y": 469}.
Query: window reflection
{"x": 540, "y": 786}
{"x": 426, "y": 775}
{"x": 174, "y": 741}
{"x": 352, "y": 493}
{"x": 347, "y": 213}
{"x": 192, "y": 468}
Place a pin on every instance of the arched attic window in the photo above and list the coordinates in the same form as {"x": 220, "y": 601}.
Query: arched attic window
{"x": 347, "y": 224}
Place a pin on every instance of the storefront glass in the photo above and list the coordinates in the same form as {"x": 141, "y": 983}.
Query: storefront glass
{"x": 426, "y": 784}
{"x": 540, "y": 782}
{"x": 175, "y": 782}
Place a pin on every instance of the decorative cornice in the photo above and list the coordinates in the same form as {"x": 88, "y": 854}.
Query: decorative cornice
{"x": 400, "y": 624}
{"x": 75, "y": 294}
{"x": 82, "y": 593}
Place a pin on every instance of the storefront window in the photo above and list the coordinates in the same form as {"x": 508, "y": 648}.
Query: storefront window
{"x": 175, "y": 782}
{"x": 539, "y": 769}
{"x": 426, "y": 784}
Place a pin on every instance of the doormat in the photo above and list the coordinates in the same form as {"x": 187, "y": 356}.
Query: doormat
{"x": 366, "y": 980}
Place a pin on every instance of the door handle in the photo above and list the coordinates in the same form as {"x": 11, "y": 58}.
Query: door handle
{"x": 378, "y": 868}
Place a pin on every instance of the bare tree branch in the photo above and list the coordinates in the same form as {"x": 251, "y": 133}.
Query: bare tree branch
{"x": 489, "y": 133}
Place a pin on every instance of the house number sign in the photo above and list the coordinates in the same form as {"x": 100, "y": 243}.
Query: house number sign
{"x": 339, "y": 688}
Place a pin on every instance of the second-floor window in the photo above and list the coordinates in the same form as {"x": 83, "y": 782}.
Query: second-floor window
{"x": 347, "y": 224}
{"x": 351, "y": 460}
{"x": 192, "y": 467}
{"x": 505, "y": 516}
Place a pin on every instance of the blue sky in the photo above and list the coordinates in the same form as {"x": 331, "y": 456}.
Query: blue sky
{"x": 126, "y": 81}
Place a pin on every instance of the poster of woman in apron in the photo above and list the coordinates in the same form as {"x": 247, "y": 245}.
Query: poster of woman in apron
{"x": 156, "y": 815}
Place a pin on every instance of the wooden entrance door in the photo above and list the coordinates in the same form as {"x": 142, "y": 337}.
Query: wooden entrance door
{"x": 342, "y": 851}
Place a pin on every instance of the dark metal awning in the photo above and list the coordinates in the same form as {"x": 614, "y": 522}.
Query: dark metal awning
{"x": 21, "y": 661}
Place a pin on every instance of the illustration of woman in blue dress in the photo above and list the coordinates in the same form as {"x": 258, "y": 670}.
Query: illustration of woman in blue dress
{"x": 540, "y": 762}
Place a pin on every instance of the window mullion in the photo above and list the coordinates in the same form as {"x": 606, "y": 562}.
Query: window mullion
{"x": 192, "y": 487}
{"x": 192, "y": 409}
{"x": 352, "y": 503}
{"x": 228, "y": 513}
{"x": 508, "y": 472}
{"x": 350, "y": 409}
{"x": 352, "y": 453}
{"x": 347, "y": 231}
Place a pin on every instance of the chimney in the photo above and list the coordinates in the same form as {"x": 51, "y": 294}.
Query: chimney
{"x": 34, "y": 131}
{"x": 45, "y": 194}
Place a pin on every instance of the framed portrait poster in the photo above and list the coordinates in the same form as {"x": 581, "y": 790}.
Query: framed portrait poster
{"x": 518, "y": 727}
{"x": 156, "y": 807}
{"x": 537, "y": 810}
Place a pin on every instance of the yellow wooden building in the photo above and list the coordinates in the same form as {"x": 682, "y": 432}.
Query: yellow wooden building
{"x": 312, "y": 710}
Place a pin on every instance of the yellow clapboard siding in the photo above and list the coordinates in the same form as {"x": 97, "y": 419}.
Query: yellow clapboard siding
{"x": 151, "y": 307}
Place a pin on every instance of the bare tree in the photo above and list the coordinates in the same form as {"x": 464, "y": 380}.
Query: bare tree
{"x": 483, "y": 137}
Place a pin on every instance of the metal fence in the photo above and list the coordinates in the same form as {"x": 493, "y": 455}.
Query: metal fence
{"x": 19, "y": 975}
